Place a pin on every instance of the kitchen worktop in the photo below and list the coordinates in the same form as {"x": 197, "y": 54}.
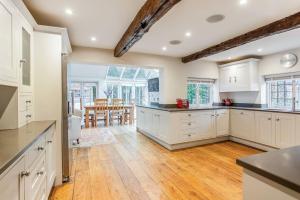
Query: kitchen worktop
{"x": 13, "y": 143}
{"x": 264, "y": 109}
{"x": 281, "y": 166}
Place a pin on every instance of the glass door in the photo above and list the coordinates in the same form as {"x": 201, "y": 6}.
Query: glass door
{"x": 127, "y": 94}
{"x": 84, "y": 93}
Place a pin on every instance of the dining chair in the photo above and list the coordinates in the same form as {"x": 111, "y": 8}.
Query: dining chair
{"x": 101, "y": 112}
{"x": 129, "y": 112}
{"x": 117, "y": 111}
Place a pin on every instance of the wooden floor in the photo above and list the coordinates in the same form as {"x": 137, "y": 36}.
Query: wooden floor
{"x": 127, "y": 165}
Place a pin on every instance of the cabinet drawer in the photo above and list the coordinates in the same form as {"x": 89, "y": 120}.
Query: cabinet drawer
{"x": 25, "y": 102}
{"x": 186, "y": 125}
{"x": 25, "y": 116}
{"x": 35, "y": 182}
{"x": 35, "y": 151}
{"x": 188, "y": 117}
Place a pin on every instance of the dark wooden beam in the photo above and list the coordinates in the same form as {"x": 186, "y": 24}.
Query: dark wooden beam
{"x": 280, "y": 26}
{"x": 150, "y": 13}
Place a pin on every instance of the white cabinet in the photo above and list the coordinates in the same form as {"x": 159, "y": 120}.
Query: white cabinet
{"x": 285, "y": 130}
{"x": 8, "y": 41}
{"x": 239, "y": 76}
{"x": 50, "y": 159}
{"x": 222, "y": 122}
{"x": 264, "y": 133}
{"x": 297, "y": 118}
{"x": 242, "y": 124}
{"x": 12, "y": 185}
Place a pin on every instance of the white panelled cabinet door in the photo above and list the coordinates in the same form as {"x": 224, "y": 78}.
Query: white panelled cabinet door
{"x": 222, "y": 122}
{"x": 50, "y": 159}
{"x": 12, "y": 183}
{"x": 265, "y": 133}
{"x": 243, "y": 124}
{"x": 285, "y": 125}
{"x": 297, "y": 130}
{"x": 206, "y": 125}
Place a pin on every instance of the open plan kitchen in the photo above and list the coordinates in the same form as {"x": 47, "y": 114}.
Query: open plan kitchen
{"x": 150, "y": 100}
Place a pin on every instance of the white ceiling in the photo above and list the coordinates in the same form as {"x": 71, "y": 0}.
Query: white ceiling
{"x": 107, "y": 20}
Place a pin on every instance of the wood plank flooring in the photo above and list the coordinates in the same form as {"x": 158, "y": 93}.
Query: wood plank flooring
{"x": 126, "y": 165}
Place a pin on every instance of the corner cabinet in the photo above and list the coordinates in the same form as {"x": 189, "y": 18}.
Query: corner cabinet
{"x": 239, "y": 76}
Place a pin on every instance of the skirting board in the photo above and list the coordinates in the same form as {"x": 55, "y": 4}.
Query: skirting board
{"x": 207, "y": 141}
{"x": 252, "y": 144}
{"x": 185, "y": 145}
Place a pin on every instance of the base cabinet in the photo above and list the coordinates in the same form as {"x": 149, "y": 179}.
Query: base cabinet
{"x": 264, "y": 125}
{"x": 222, "y": 122}
{"x": 29, "y": 177}
{"x": 242, "y": 124}
{"x": 285, "y": 130}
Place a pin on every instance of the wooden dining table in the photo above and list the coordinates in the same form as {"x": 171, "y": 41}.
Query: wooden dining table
{"x": 93, "y": 108}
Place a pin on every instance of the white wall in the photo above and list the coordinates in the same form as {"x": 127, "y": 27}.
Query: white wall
{"x": 268, "y": 65}
{"x": 48, "y": 86}
{"x": 173, "y": 73}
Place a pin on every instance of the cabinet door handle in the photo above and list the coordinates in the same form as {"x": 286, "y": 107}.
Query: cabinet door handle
{"x": 269, "y": 118}
{"x": 23, "y": 61}
{"x": 230, "y": 79}
{"x": 50, "y": 141}
{"x": 28, "y": 116}
{"x": 40, "y": 148}
{"x": 278, "y": 119}
{"x": 25, "y": 173}
{"x": 189, "y": 124}
{"x": 28, "y": 101}
{"x": 235, "y": 79}
{"x": 40, "y": 173}
{"x": 189, "y": 115}
{"x": 242, "y": 113}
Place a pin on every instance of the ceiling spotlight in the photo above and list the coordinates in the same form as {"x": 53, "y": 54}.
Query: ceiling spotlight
{"x": 259, "y": 50}
{"x": 229, "y": 58}
{"x": 164, "y": 48}
{"x": 243, "y": 2}
{"x": 188, "y": 34}
{"x": 93, "y": 39}
{"x": 68, "y": 11}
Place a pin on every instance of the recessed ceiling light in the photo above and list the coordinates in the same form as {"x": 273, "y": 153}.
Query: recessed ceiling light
{"x": 68, "y": 11}
{"x": 229, "y": 58}
{"x": 93, "y": 38}
{"x": 164, "y": 48}
{"x": 259, "y": 50}
{"x": 188, "y": 34}
{"x": 243, "y": 2}
{"x": 215, "y": 18}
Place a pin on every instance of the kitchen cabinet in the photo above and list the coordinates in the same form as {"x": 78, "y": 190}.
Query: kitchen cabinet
{"x": 297, "y": 120}
{"x": 50, "y": 159}
{"x": 222, "y": 122}
{"x": 8, "y": 41}
{"x": 242, "y": 124}
{"x": 285, "y": 130}
{"x": 12, "y": 182}
{"x": 239, "y": 76}
{"x": 264, "y": 133}
{"x": 26, "y": 44}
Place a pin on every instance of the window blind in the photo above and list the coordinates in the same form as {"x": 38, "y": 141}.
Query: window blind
{"x": 200, "y": 80}
{"x": 278, "y": 77}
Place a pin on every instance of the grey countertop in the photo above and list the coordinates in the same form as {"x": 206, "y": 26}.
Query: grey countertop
{"x": 281, "y": 166}
{"x": 217, "y": 107}
{"x": 13, "y": 143}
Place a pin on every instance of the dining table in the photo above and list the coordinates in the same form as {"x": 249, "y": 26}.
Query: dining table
{"x": 92, "y": 109}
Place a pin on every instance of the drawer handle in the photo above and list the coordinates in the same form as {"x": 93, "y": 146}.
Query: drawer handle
{"x": 28, "y": 116}
{"x": 40, "y": 173}
{"x": 189, "y": 115}
{"x": 49, "y": 142}
{"x": 189, "y": 124}
{"x": 25, "y": 173}
{"x": 40, "y": 148}
{"x": 189, "y": 135}
{"x": 278, "y": 119}
{"x": 28, "y": 101}
{"x": 269, "y": 118}
{"x": 242, "y": 113}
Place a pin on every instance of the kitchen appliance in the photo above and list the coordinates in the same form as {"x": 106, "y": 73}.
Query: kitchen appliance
{"x": 182, "y": 103}
{"x": 227, "y": 102}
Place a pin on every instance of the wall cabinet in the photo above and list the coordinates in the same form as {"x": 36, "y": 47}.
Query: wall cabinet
{"x": 32, "y": 176}
{"x": 222, "y": 122}
{"x": 242, "y": 124}
{"x": 239, "y": 76}
{"x": 8, "y": 41}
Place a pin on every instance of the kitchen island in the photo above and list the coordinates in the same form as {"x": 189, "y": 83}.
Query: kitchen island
{"x": 272, "y": 175}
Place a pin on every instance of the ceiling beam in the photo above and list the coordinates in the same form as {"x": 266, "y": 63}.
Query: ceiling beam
{"x": 150, "y": 13}
{"x": 280, "y": 26}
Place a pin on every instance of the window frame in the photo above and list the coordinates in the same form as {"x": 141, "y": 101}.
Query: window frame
{"x": 197, "y": 94}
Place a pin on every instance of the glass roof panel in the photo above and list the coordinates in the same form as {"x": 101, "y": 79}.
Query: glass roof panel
{"x": 129, "y": 73}
{"x": 142, "y": 74}
{"x": 114, "y": 72}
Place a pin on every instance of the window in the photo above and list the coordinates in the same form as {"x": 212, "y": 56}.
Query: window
{"x": 84, "y": 93}
{"x": 199, "y": 92}
{"x": 283, "y": 92}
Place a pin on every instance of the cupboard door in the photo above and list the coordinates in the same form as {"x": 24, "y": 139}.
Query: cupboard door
{"x": 222, "y": 122}
{"x": 241, "y": 78}
{"x": 226, "y": 79}
{"x": 285, "y": 126}
{"x": 206, "y": 125}
{"x": 8, "y": 70}
{"x": 297, "y": 130}
{"x": 264, "y": 129}
{"x": 50, "y": 159}
{"x": 12, "y": 184}
{"x": 242, "y": 124}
